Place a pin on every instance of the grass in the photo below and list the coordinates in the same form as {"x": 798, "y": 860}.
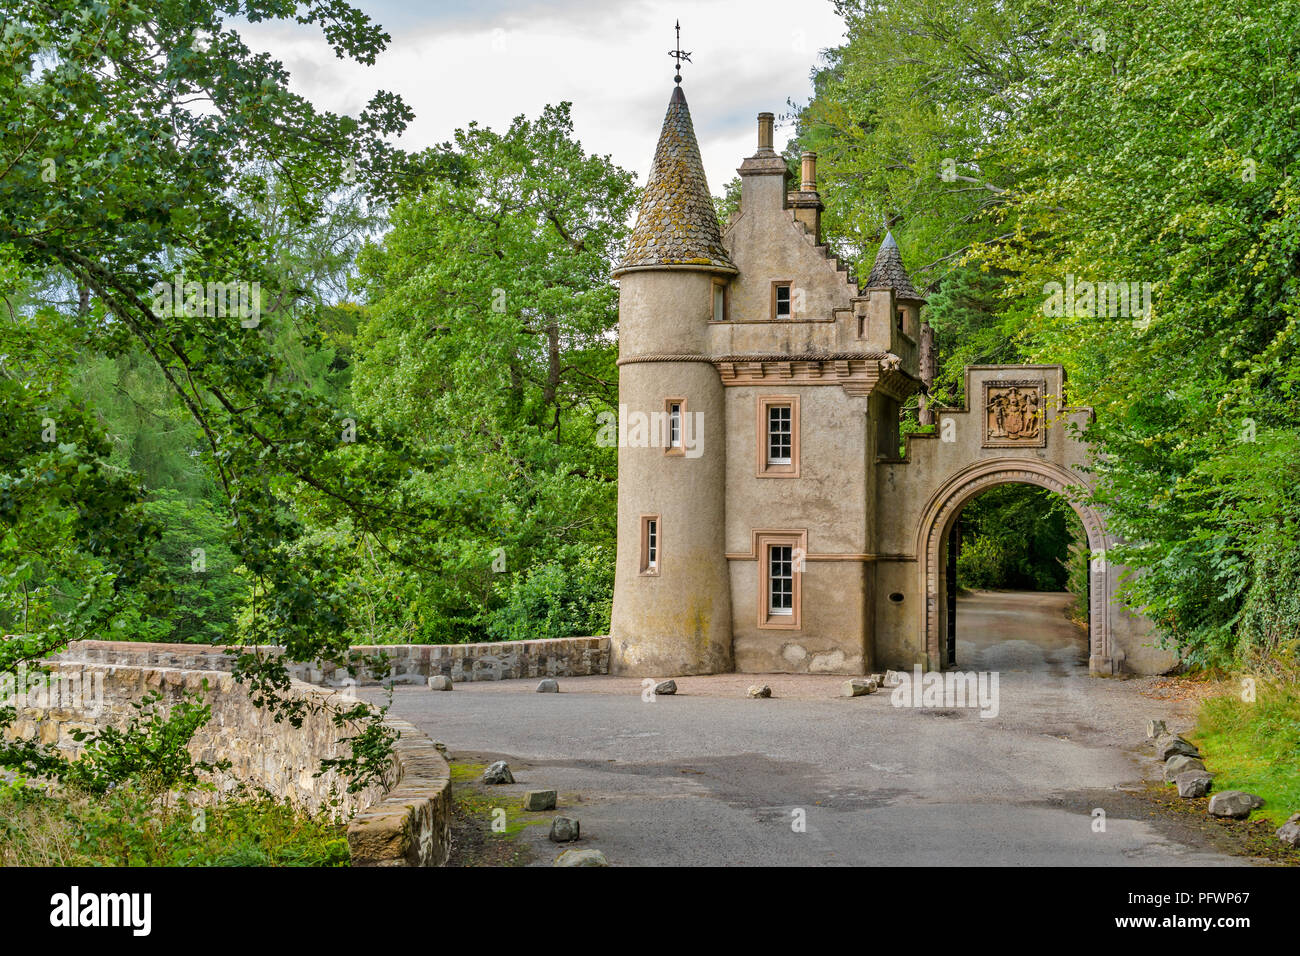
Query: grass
{"x": 128, "y": 828}
{"x": 1255, "y": 745}
{"x": 484, "y": 826}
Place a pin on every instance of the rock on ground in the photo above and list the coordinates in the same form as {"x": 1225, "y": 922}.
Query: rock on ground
{"x": 581, "y": 858}
{"x": 1171, "y": 744}
{"x": 498, "y": 772}
{"x": 548, "y": 686}
{"x": 1289, "y": 832}
{"x": 539, "y": 800}
{"x": 1180, "y": 763}
{"x": 565, "y": 830}
{"x": 666, "y": 687}
{"x": 857, "y": 687}
{"x": 759, "y": 690}
{"x": 1156, "y": 729}
{"x": 440, "y": 682}
{"x": 1234, "y": 803}
{"x": 1194, "y": 783}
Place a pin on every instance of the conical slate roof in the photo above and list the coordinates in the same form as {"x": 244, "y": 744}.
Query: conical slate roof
{"x": 676, "y": 224}
{"x": 888, "y": 272}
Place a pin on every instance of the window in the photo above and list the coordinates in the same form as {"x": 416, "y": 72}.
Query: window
{"x": 898, "y": 316}
{"x": 650, "y": 544}
{"x": 719, "y": 301}
{"x": 674, "y": 422}
{"x": 781, "y": 300}
{"x": 778, "y": 436}
{"x": 780, "y": 579}
{"x": 781, "y": 565}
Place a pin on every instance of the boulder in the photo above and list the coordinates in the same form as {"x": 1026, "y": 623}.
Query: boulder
{"x": 548, "y": 686}
{"x": 1194, "y": 783}
{"x": 857, "y": 687}
{"x": 1289, "y": 832}
{"x": 574, "y": 857}
{"x": 666, "y": 687}
{"x": 1171, "y": 744}
{"x": 1156, "y": 729}
{"x": 498, "y": 772}
{"x": 440, "y": 682}
{"x": 1234, "y": 803}
{"x": 893, "y": 678}
{"x": 1180, "y": 763}
{"x": 759, "y": 690}
{"x": 536, "y": 800}
{"x": 564, "y": 830}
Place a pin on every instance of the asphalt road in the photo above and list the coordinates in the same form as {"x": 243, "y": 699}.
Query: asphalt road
{"x": 711, "y": 777}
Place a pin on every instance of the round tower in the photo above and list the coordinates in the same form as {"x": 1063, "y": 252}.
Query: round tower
{"x": 672, "y": 592}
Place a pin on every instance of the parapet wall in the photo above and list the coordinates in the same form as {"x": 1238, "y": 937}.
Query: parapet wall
{"x": 405, "y": 821}
{"x": 408, "y": 663}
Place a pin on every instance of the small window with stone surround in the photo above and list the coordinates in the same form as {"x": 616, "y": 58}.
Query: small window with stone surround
{"x": 778, "y": 436}
{"x": 650, "y": 544}
{"x": 782, "y": 303}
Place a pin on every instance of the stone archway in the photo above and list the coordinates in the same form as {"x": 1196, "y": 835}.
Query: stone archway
{"x": 966, "y": 484}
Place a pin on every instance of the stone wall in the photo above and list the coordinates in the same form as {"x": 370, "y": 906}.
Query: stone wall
{"x": 406, "y": 820}
{"x": 408, "y": 663}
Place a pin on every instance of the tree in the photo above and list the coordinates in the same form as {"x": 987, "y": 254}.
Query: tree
{"x": 138, "y": 141}
{"x": 490, "y": 337}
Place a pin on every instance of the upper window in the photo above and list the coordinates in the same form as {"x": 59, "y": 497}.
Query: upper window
{"x": 898, "y": 317}
{"x": 674, "y": 417}
{"x": 781, "y": 303}
{"x": 778, "y": 436}
{"x": 719, "y": 301}
{"x": 649, "y": 544}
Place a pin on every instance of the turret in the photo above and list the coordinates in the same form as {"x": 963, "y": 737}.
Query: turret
{"x": 672, "y": 600}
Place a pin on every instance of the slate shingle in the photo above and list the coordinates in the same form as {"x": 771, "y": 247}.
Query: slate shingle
{"x": 676, "y": 224}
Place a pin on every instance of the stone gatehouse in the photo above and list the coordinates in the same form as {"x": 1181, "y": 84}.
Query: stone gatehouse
{"x": 766, "y": 522}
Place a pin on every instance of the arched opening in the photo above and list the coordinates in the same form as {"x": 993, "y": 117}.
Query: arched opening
{"x": 1015, "y": 563}
{"x": 936, "y": 544}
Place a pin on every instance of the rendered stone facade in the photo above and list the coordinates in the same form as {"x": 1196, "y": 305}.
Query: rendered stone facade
{"x": 769, "y": 524}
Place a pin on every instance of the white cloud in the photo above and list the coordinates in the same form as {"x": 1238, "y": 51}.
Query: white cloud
{"x": 492, "y": 60}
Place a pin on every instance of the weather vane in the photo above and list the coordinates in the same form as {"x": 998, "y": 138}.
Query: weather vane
{"x": 680, "y": 55}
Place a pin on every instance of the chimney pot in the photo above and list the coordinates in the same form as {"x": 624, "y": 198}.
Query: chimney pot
{"x": 809, "y": 184}
{"x": 765, "y": 130}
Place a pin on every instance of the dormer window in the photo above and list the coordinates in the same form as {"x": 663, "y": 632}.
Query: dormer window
{"x": 781, "y": 301}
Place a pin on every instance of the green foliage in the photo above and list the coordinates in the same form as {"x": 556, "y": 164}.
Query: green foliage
{"x": 1017, "y": 537}
{"x": 127, "y": 827}
{"x": 137, "y": 152}
{"x": 567, "y": 597}
{"x": 151, "y": 750}
{"x": 490, "y": 340}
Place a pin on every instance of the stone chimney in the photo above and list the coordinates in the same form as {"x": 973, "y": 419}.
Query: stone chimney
{"x": 763, "y": 175}
{"x": 807, "y": 204}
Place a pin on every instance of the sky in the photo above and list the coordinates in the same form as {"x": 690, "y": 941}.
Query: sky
{"x": 490, "y": 60}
